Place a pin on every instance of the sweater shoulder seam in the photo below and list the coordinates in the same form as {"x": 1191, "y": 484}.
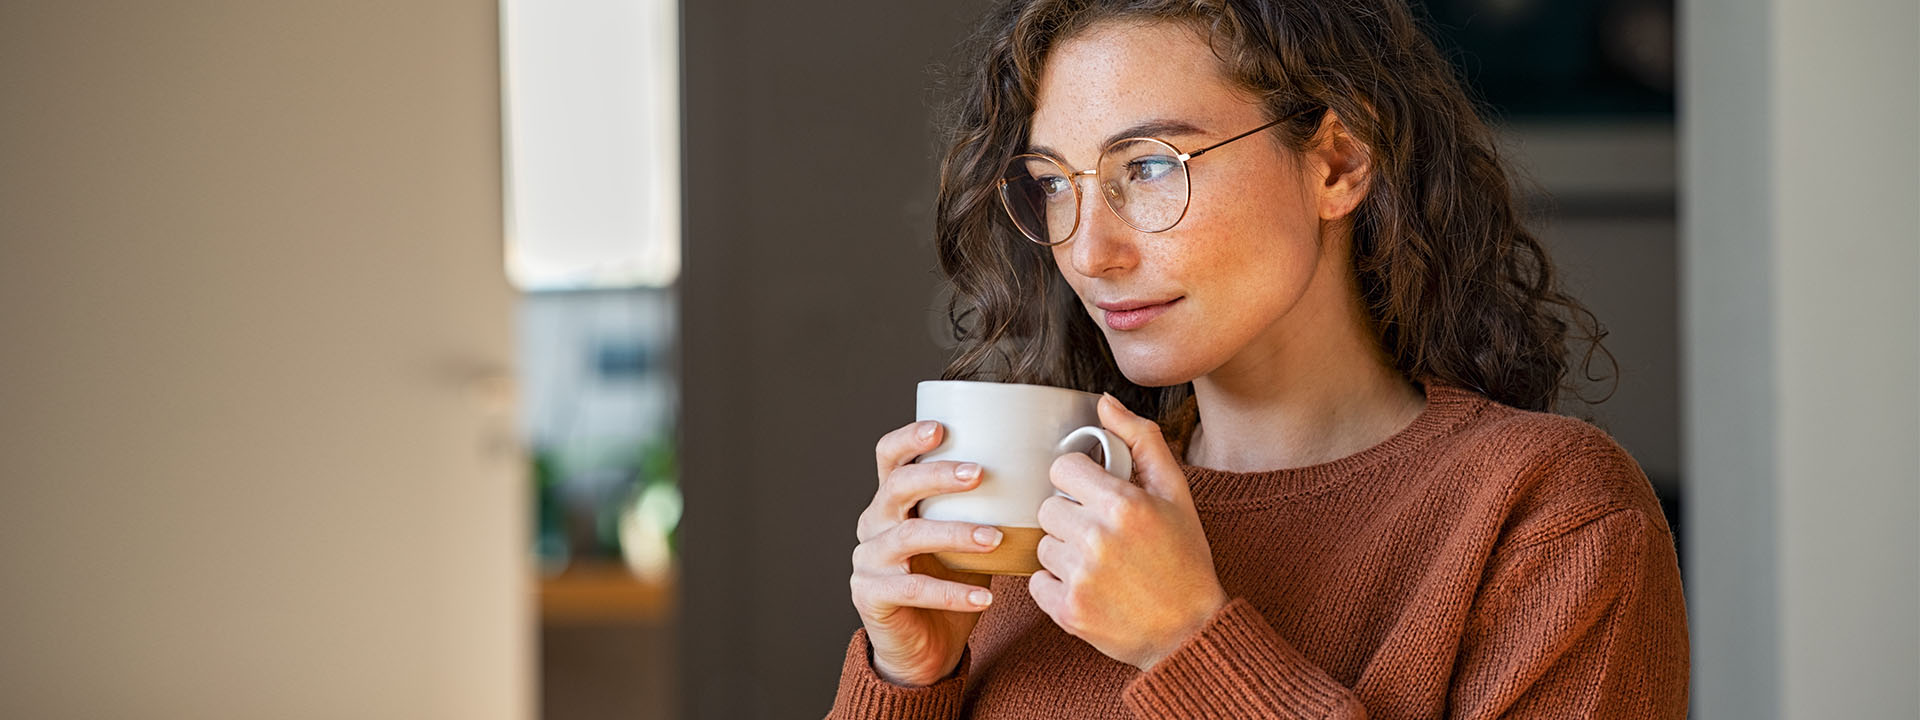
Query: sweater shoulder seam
{"x": 1576, "y": 519}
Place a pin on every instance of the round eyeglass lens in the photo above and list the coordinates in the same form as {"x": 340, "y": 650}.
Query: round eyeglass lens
{"x": 1145, "y": 183}
{"x": 1041, "y": 199}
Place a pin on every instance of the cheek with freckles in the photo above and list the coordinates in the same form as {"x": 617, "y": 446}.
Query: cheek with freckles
{"x": 1237, "y": 283}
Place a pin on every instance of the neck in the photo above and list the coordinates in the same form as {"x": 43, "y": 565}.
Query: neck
{"x": 1312, "y": 420}
{"x": 1313, "y": 391}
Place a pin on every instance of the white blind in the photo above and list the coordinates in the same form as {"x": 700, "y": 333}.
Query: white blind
{"x": 592, "y": 134}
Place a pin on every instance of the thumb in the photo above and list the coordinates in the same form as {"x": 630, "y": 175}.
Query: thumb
{"x": 1152, "y": 461}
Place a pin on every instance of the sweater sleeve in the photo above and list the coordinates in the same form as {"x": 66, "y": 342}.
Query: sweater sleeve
{"x": 864, "y": 695}
{"x": 1587, "y": 623}
{"x": 1237, "y": 666}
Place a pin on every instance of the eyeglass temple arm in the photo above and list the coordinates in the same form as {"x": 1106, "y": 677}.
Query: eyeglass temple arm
{"x": 1203, "y": 151}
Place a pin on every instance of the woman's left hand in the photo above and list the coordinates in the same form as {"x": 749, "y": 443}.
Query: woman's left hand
{"x": 1127, "y": 567}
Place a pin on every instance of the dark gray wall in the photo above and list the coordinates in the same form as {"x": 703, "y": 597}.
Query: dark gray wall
{"x": 810, "y": 174}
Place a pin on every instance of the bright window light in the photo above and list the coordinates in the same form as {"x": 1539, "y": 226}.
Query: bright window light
{"x": 592, "y": 143}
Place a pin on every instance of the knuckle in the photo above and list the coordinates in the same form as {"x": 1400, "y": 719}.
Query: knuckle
{"x": 958, "y": 535}
{"x": 905, "y": 477}
{"x": 909, "y": 480}
{"x": 1097, "y": 546}
{"x": 954, "y": 595}
{"x": 901, "y": 543}
{"x": 893, "y": 448}
{"x": 939, "y": 594}
{"x": 912, "y": 587}
{"x": 1054, "y": 555}
{"x": 1067, "y": 616}
{"x": 1075, "y": 604}
{"x": 911, "y": 530}
{"x": 866, "y": 604}
{"x": 889, "y": 489}
{"x": 933, "y": 533}
{"x": 861, "y": 591}
{"x": 1063, "y": 464}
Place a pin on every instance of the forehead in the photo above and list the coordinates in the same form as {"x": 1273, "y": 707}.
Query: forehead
{"x": 1119, "y": 74}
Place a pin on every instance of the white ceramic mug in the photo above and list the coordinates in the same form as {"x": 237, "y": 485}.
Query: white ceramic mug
{"x": 1014, "y": 433}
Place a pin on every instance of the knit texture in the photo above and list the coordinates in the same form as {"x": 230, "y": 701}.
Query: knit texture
{"x": 1484, "y": 562}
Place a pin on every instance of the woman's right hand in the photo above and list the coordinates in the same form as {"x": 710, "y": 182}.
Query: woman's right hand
{"x": 917, "y": 612}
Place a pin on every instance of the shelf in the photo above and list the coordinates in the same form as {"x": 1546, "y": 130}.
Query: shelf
{"x": 604, "y": 593}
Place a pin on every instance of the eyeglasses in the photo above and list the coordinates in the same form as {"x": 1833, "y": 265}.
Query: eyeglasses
{"x": 1144, "y": 181}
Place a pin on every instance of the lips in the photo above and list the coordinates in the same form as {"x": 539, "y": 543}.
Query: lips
{"x": 1134, "y": 314}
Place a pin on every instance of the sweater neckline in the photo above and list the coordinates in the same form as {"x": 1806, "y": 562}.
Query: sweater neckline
{"x": 1448, "y": 406}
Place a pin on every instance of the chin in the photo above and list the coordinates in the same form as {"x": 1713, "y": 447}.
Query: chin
{"x": 1155, "y": 364}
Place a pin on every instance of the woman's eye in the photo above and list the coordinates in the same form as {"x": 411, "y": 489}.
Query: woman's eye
{"x": 1052, "y": 185}
{"x": 1150, "y": 168}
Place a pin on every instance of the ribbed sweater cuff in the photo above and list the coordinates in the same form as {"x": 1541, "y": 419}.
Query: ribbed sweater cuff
{"x": 865, "y": 695}
{"x": 1237, "y": 667}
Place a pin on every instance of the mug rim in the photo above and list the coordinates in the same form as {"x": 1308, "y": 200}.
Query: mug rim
{"x": 924, "y": 383}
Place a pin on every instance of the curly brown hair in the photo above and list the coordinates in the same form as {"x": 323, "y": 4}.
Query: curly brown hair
{"x": 1457, "y": 288}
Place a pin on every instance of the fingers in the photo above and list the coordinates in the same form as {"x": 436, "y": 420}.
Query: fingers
{"x": 1064, "y": 519}
{"x": 1049, "y": 594}
{"x": 1086, "y": 481}
{"x": 889, "y": 551}
{"x": 875, "y": 595}
{"x": 881, "y": 578}
{"x": 1158, "y": 470}
{"x": 1059, "y": 558}
{"x": 905, "y": 443}
{"x": 906, "y": 486}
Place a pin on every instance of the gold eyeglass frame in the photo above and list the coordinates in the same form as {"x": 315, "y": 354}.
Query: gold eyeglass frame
{"x": 1073, "y": 178}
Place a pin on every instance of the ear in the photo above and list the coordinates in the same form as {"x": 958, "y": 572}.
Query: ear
{"x": 1340, "y": 168}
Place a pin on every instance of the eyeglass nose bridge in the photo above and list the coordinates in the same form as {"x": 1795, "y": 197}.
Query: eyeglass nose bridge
{"x": 1109, "y": 193}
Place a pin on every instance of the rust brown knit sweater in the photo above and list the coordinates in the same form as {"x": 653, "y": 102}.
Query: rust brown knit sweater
{"x": 1484, "y": 562}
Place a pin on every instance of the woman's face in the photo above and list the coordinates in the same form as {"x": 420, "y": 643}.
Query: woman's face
{"x": 1220, "y": 285}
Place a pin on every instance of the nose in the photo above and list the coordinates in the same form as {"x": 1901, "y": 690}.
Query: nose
{"x": 1104, "y": 244}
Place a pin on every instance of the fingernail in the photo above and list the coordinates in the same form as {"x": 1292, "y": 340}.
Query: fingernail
{"x": 1109, "y": 399}
{"x": 967, "y": 472}
{"x": 980, "y": 597}
{"x": 986, "y": 536}
{"x": 926, "y": 430}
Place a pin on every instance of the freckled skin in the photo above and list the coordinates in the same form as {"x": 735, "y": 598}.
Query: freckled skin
{"x": 1248, "y": 261}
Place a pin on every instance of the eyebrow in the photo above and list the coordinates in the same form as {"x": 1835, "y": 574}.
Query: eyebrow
{"x": 1157, "y": 128}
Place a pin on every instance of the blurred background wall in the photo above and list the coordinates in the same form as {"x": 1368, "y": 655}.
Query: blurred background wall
{"x": 1802, "y": 342}
{"x": 256, "y": 429}
{"x": 806, "y": 289}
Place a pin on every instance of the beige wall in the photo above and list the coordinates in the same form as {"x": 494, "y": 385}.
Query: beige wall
{"x": 1801, "y": 229}
{"x": 250, "y": 300}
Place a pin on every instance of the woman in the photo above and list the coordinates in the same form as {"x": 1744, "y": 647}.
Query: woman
{"x": 1278, "y": 228}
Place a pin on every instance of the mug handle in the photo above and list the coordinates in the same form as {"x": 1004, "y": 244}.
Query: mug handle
{"x": 1119, "y": 459}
